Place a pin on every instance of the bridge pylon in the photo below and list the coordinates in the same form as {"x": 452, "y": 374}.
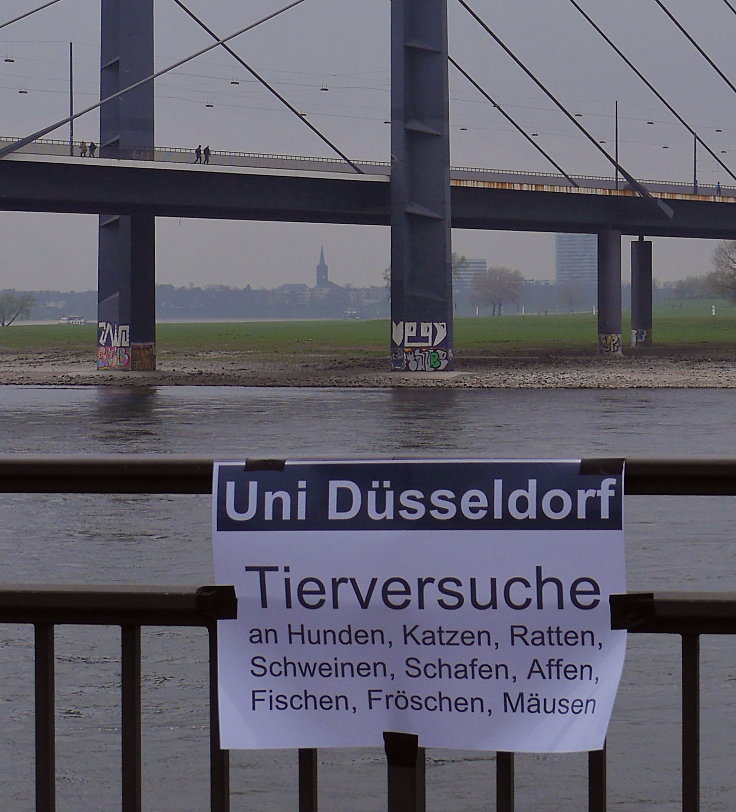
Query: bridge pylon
{"x": 126, "y": 278}
{"x": 641, "y": 293}
{"x": 609, "y": 293}
{"x": 421, "y": 273}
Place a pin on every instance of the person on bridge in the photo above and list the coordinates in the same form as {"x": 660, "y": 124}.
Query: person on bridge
{"x": 83, "y": 149}
{"x": 198, "y": 154}
{"x": 718, "y": 189}
{"x": 207, "y": 153}
{"x": 92, "y": 149}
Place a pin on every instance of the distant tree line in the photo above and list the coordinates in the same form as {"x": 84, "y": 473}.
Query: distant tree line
{"x": 226, "y": 302}
{"x": 500, "y": 290}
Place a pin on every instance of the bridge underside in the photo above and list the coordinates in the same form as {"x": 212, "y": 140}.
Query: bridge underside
{"x": 119, "y": 187}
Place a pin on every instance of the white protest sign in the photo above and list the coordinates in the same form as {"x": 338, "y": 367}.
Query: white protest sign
{"x": 463, "y": 601}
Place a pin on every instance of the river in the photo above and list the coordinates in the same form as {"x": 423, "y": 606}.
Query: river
{"x": 672, "y": 543}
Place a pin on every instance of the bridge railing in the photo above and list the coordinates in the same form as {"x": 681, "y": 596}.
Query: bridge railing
{"x": 51, "y": 146}
{"x": 689, "y": 615}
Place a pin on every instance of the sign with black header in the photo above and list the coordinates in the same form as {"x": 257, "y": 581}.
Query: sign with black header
{"x": 465, "y": 601}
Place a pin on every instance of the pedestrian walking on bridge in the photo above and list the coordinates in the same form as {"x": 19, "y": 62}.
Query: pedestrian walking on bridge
{"x": 82, "y": 149}
{"x": 207, "y": 153}
{"x": 92, "y": 149}
{"x": 198, "y": 154}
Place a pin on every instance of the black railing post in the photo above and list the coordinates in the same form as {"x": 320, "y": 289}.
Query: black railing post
{"x": 219, "y": 758}
{"x": 504, "y": 782}
{"x": 597, "y": 780}
{"x": 690, "y": 723}
{"x": 45, "y": 727}
{"x": 308, "y": 780}
{"x": 406, "y": 772}
{"x": 131, "y": 717}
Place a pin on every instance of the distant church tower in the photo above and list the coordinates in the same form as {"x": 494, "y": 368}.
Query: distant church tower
{"x": 322, "y": 281}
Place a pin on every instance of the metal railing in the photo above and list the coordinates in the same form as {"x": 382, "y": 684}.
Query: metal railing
{"x": 689, "y": 615}
{"x": 53, "y": 146}
{"x": 49, "y": 606}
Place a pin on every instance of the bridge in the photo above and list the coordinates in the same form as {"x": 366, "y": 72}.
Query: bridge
{"x": 417, "y": 194}
{"x": 285, "y": 188}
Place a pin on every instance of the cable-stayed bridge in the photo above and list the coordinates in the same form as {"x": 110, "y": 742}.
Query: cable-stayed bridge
{"x": 417, "y": 193}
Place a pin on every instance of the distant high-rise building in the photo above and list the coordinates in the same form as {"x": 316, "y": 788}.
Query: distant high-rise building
{"x": 466, "y": 272}
{"x": 576, "y": 258}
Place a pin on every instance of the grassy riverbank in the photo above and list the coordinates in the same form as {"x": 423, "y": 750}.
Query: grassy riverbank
{"x": 682, "y": 327}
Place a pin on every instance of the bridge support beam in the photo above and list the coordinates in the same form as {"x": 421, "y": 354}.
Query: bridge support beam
{"x": 641, "y": 293}
{"x": 609, "y": 292}
{"x": 421, "y": 275}
{"x": 126, "y": 276}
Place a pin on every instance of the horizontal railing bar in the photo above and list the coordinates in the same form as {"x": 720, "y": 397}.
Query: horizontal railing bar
{"x": 675, "y": 612}
{"x": 101, "y": 604}
{"x": 115, "y": 604}
{"x": 112, "y": 474}
{"x": 127, "y": 473}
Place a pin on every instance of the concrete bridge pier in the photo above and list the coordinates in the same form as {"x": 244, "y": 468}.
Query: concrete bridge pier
{"x": 641, "y": 293}
{"x": 126, "y": 275}
{"x": 609, "y": 293}
{"x": 421, "y": 274}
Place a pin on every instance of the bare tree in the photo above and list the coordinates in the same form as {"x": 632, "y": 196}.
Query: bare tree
{"x": 15, "y": 305}
{"x": 722, "y": 279}
{"x": 456, "y": 262}
{"x": 498, "y": 287}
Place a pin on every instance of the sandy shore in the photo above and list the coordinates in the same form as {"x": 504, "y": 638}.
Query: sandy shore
{"x": 695, "y": 368}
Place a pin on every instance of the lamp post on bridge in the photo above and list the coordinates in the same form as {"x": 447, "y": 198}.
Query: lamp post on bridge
{"x": 695, "y": 163}
{"x": 71, "y": 98}
{"x": 615, "y": 117}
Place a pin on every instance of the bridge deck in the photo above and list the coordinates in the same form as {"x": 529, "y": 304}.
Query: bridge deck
{"x": 162, "y": 157}
{"x": 287, "y": 189}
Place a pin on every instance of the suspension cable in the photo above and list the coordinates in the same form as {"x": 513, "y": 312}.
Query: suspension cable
{"x": 28, "y": 13}
{"x": 692, "y": 41}
{"x": 268, "y": 86}
{"x": 46, "y": 130}
{"x": 640, "y": 189}
{"x": 730, "y": 6}
{"x": 654, "y": 90}
{"x": 510, "y": 120}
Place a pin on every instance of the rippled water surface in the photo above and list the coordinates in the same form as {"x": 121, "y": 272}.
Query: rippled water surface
{"x": 672, "y": 543}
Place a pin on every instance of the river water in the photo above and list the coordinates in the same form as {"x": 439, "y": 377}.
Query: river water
{"x": 672, "y": 543}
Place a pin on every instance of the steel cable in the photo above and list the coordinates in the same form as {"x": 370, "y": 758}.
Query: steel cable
{"x": 654, "y": 90}
{"x": 692, "y": 41}
{"x": 28, "y": 13}
{"x": 46, "y": 130}
{"x": 510, "y": 120}
{"x": 638, "y": 187}
{"x": 269, "y": 87}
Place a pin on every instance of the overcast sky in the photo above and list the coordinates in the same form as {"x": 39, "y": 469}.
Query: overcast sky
{"x": 344, "y": 45}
